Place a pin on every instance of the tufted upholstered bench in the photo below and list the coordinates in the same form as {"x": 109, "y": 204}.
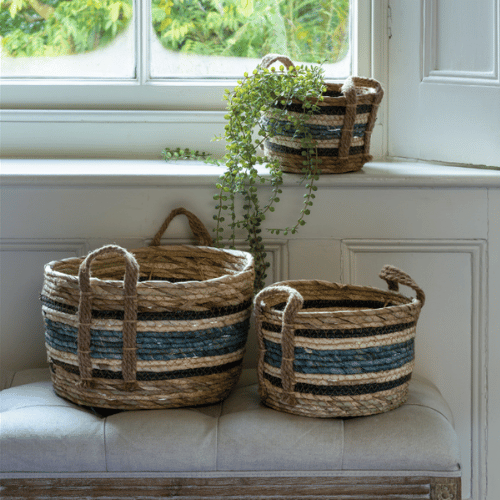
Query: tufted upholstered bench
{"x": 51, "y": 448}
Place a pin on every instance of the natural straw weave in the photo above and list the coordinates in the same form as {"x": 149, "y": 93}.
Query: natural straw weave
{"x": 341, "y": 129}
{"x": 172, "y": 333}
{"x": 332, "y": 350}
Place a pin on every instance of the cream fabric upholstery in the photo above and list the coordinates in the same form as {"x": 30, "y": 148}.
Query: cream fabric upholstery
{"x": 41, "y": 432}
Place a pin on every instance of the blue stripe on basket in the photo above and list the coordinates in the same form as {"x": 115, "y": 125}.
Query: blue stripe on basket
{"x": 319, "y": 132}
{"x": 160, "y": 346}
{"x": 344, "y": 362}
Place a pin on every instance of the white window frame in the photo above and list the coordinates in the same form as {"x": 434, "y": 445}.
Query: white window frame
{"x": 89, "y": 118}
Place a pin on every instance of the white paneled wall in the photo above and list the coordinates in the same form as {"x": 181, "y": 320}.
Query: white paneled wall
{"x": 439, "y": 224}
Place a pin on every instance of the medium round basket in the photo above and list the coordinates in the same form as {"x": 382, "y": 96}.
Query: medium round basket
{"x": 156, "y": 327}
{"x": 332, "y": 350}
{"x": 341, "y": 129}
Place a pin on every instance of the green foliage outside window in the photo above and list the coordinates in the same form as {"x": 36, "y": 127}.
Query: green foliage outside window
{"x": 60, "y": 27}
{"x": 305, "y": 30}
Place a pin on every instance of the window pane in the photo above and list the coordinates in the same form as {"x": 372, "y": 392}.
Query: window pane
{"x": 67, "y": 38}
{"x": 225, "y": 38}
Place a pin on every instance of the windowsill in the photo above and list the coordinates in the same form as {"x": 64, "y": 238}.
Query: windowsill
{"x": 157, "y": 173}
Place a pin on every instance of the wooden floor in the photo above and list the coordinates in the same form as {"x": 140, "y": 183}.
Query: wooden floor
{"x": 277, "y": 488}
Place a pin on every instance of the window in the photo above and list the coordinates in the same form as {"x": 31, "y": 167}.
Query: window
{"x": 162, "y": 41}
{"x": 124, "y": 112}
{"x": 67, "y": 39}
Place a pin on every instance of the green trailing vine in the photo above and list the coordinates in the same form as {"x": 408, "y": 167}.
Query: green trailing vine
{"x": 170, "y": 154}
{"x": 251, "y": 184}
{"x": 259, "y": 103}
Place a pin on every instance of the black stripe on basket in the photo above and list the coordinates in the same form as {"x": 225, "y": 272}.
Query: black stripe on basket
{"x": 341, "y": 390}
{"x": 278, "y": 148}
{"x": 343, "y": 334}
{"x": 347, "y": 303}
{"x": 325, "y": 110}
{"x": 150, "y": 316}
{"x": 147, "y": 376}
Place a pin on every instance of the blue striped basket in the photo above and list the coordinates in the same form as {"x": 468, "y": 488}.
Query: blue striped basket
{"x": 332, "y": 350}
{"x": 156, "y": 327}
{"x": 341, "y": 127}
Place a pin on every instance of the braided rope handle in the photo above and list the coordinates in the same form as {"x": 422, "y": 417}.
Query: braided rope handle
{"x": 349, "y": 91}
{"x": 129, "y": 361}
{"x": 269, "y": 59}
{"x": 294, "y": 303}
{"x": 379, "y": 93}
{"x": 395, "y": 277}
{"x": 197, "y": 227}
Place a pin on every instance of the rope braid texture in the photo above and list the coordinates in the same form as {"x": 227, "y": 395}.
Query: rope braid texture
{"x": 199, "y": 230}
{"x": 129, "y": 362}
{"x": 395, "y": 276}
{"x": 286, "y": 398}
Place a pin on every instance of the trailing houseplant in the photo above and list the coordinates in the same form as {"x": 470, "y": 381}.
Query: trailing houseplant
{"x": 260, "y": 104}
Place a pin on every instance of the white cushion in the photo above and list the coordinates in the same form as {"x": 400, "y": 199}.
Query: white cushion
{"x": 41, "y": 432}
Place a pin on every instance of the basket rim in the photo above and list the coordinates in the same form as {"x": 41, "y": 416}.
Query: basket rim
{"x": 245, "y": 256}
{"x": 366, "y": 94}
{"x": 412, "y": 301}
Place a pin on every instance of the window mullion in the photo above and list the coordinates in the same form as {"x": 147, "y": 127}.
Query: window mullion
{"x": 142, "y": 26}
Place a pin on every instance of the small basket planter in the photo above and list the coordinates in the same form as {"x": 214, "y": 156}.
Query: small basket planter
{"x": 156, "y": 327}
{"x": 332, "y": 350}
{"x": 341, "y": 129}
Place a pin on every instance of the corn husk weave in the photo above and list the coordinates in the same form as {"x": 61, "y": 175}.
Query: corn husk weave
{"x": 333, "y": 350}
{"x": 341, "y": 129}
{"x": 171, "y": 333}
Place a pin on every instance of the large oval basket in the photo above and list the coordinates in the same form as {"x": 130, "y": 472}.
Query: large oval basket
{"x": 340, "y": 129}
{"x": 331, "y": 350}
{"x": 156, "y": 327}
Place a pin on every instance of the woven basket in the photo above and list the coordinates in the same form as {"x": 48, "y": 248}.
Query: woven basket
{"x": 341, "y": 129}
{"x": 331, "y": 350}
{"x": 172, "y": 333}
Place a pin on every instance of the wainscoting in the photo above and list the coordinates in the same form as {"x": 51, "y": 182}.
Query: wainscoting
{"x": 439, "y": 224}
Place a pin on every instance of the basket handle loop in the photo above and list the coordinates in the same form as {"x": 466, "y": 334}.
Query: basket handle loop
{"x": 294, "y": 303}
{"x": 349, "y": 91}
{"x": 395, "y": 277}
{"x": 269, "y": 59}
{"x": 375, "y": 102}
{"x": 197, "y": 227}
{"x": 129, "y": 361}
{"x": 359, "y": 81}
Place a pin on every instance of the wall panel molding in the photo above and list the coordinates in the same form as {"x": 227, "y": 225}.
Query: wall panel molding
{"x": 74, "y": 247}
{"x": 22, "y": 274}
{"x": 352, "y": 251}
{"x": 433, "y": 55}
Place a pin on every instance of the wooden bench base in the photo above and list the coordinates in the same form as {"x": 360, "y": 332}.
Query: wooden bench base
{"x": 236, "y": 488}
